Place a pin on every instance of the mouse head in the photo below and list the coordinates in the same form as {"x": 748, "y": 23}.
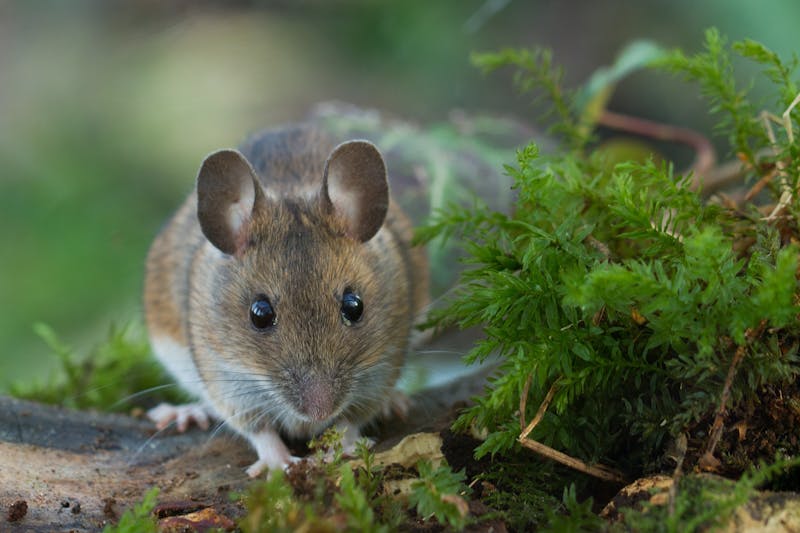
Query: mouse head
{"x": 310, "y": 312}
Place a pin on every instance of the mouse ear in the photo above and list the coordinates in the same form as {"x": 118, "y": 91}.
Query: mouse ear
{"x": 355, "y": 186}
{"x": 227, "y": 190}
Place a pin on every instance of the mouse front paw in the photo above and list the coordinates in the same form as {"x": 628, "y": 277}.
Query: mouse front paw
{"x": 272, "y": 452}
{"x": 183, "y": 415}
{"x": 267, "y": 465}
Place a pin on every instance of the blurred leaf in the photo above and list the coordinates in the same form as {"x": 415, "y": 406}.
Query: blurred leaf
{"x": 593, "y": 97}
{"x": 112, "y": 376}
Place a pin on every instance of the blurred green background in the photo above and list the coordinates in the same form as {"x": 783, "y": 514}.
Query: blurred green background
{"x": 107, "y": 107}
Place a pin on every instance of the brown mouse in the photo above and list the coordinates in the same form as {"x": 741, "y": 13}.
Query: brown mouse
{"x": 283, "y": 292}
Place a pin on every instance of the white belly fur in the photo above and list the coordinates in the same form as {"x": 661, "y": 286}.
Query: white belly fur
{"x": 178, "y": 361}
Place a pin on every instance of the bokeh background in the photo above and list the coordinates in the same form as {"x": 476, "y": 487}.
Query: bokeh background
{"x": 108, "y": 106}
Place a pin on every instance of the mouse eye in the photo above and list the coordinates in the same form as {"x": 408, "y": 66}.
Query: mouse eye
{"x": 352, "y": 307}
{"x": 262, "y": 315}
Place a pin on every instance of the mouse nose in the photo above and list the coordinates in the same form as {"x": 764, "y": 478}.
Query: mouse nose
{"x": 317, "y": 398}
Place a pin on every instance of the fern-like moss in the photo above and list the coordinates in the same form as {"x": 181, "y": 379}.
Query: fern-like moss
{"x": 620, "y": 286}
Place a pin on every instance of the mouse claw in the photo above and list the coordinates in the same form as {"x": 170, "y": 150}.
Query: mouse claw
{"x": 183, "y": 416}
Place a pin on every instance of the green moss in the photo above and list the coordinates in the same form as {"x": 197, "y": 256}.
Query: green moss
{"x": 619, "y": 286}
{"x": 522, "y": 491}
{"x": 115, "y": 375}
{"x": 439, "y": 492}
{"x": 139, "y": 518}
{"x": 332, "y": 495}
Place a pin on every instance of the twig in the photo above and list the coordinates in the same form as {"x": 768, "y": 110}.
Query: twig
{"x": 523, "y": 400}
{"x": 725, "y": 175}
{"x": 598, "y": 471}
{"x": 760, "y": 184}
{"x": 539, "y": 414}
{"x": 681, "y": 443}
{"x": 716, "y": 428}
{"x": 705, "y": 157}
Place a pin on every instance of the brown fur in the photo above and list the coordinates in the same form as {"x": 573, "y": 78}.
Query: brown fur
{"x": 300, "y": 250}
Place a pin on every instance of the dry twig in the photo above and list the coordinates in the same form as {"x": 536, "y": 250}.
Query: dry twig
{"x": 707, "y": 460}
{"x": 598, "y": 470}
{"x": 681, "y": 444}
{"x": 705, "y": 157}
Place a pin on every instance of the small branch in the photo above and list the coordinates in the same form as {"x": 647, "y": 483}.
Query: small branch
{"x": 681, "y": 443}
{"x": 523, "y": 400}
{"x": 539, "y": 414}
{"x": 760, "y": 184}
{"x": 716, "y": 429}
{"x": 705, "y": 157}
{"x": 598, "y": 471}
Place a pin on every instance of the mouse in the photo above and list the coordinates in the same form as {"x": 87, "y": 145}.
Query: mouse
{"x": 282, "y": 294}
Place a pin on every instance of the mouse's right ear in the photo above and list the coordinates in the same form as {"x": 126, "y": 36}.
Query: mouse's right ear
{"x": 227, "y": 193}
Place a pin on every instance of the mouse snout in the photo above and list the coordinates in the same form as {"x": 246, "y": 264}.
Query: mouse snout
{"x": 317, "y": 397}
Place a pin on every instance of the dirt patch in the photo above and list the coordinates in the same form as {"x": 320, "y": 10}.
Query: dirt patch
{"x": 753, "y": 432}
{"x": 177, "y": 508}
{"x": 459, "y": 450}
{"x": 110, "y": 508}
{"x": 17, "y": 511}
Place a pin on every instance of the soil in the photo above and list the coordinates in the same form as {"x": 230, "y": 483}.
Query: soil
{"x": 753, "y": 433}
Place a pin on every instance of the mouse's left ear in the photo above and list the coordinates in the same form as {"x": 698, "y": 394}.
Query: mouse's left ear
{"x": 356, "y": 187}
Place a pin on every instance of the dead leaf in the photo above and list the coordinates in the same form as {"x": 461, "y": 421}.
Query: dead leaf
{"x": 708, "y": 463}
{"x": 741, "y": 427}
{"x": 409, "y": 451}
{"x": 460, "y": 503}
{"x": 202, "y": 520}
{"x": 637, "y": 317}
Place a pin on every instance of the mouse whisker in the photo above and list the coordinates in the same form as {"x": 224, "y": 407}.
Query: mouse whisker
{"x": 147, "y": 442}
{"x": 438, "y": 352}
{"x": 141, "y": 393}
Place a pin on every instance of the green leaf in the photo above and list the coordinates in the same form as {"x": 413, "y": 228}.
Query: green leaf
{"x": 437, "y": 492}
{"x": 355, "y": 503}
{"x": 138, "y": 519}
{"x": 591, "y": 100}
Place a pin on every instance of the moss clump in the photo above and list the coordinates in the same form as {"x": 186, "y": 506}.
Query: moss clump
{"x": 620, "y": 288}
{"x": 115, "y": 375}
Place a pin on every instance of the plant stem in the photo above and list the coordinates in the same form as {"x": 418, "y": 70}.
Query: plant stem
{"x": 716, "y": 428}
{"x": 539, "y": 414}
{"x": 599, "y": 471}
